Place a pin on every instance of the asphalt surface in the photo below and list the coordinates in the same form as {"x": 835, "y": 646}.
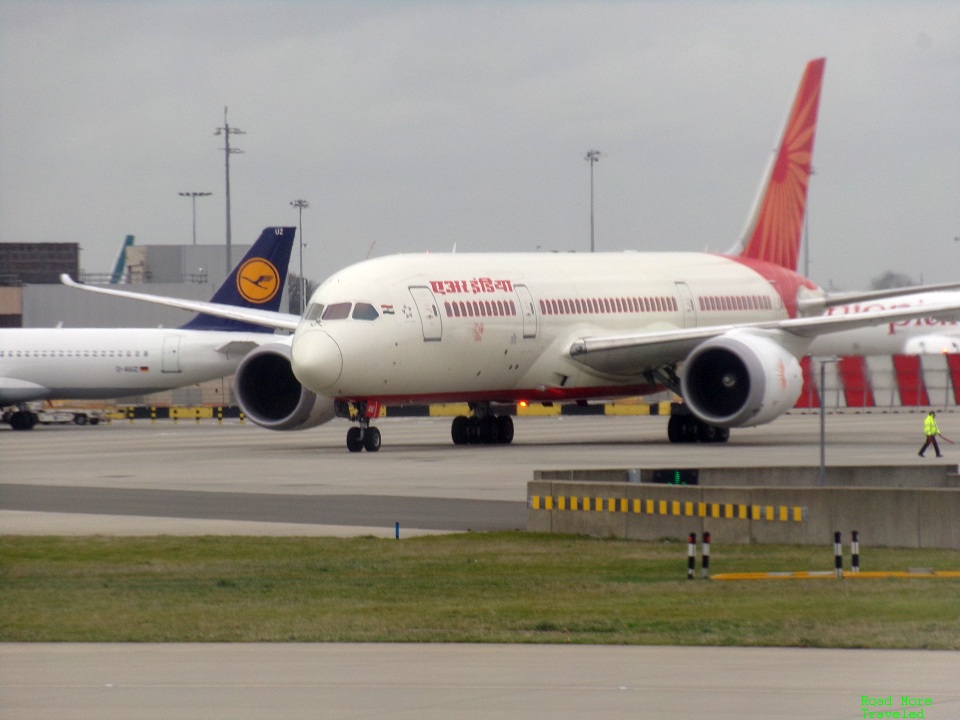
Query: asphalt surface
{"x": 235, "y": 478}
{"x": 440, "y": 682}
{"x": 150, "y": 478}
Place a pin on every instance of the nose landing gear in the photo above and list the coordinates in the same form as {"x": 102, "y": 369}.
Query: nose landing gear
{"x": 363, "y": 436}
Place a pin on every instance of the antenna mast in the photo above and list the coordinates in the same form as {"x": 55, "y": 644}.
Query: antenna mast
{"x": 226, "y": 131}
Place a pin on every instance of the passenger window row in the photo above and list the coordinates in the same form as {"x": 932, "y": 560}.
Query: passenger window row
{"x": 735, "y": 302}
{"x": 73, "y": 353}
{"x": 480, "y": 308}
{"x": 605, "y": 306}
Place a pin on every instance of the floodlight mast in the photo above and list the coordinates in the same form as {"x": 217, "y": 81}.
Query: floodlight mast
{"x": 592, "y": 157}
{"x": 300, "y": 205}
{"x": 194, "y": 196}
{"x": 226, "y": 131}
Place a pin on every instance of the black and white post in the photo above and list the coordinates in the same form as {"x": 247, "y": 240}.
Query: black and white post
{"x": 705, "y": 560}
{"x": 838, "y": 554}
{"x": 855, "y": 552}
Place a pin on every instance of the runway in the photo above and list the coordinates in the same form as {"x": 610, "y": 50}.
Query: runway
{"x": 148, "y": 478}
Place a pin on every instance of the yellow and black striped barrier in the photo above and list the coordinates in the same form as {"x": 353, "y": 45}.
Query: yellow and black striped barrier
{"x": 677, "y": 508}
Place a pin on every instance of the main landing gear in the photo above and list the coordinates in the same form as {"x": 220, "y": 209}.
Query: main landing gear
{"x": 482, "y": 427}
{"x": 21, "y": 419}
{"x": 689, "y": 429}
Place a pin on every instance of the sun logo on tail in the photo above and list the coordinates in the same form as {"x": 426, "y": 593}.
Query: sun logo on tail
{"x": 773, "y": 234}
{"x": 258, "y": 280}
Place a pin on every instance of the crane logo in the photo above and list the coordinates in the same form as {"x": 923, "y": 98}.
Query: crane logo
{"x": 258, "y": 280}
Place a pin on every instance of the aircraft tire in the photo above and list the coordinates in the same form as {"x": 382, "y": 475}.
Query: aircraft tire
{"x": 489, "y": 431}
{"x": 23, "y": 420}
{"x": 505, "y": 427}
{"x": 706, "y": 433}
{"x": 675, "y": 432}
{"x": 354, "y": 440}
{"x": 460, "y": 430}
{"x": 371, "y": 439}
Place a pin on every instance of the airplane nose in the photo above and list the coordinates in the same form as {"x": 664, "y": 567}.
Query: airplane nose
{"x": 316, "y": 360}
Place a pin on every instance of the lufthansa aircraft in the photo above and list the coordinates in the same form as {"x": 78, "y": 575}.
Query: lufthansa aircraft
{"x": 85, "y": 363}
{"x": 724, "y": 331}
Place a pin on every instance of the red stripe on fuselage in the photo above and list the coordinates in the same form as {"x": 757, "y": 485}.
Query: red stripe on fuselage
{"x": 554, "y": 394}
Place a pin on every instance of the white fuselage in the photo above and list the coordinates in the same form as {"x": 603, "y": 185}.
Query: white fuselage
{"x": 72, "y": 363}
{"x": 500, "y": 326}
{"x": 918, "y": 336}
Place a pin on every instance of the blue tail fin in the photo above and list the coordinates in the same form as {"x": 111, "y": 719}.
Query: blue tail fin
{"x": 256, "y": 282}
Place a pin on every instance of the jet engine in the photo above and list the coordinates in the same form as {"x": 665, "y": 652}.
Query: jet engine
{"x": 270, "y": 395}
{"x": 740, "y": 379}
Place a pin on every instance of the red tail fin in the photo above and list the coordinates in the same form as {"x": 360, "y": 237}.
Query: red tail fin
{"x": 773, "y": 230}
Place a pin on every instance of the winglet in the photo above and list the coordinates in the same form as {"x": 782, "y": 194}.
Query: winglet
{"x": 256, "y": 282}
{"x": 773, "y": 231}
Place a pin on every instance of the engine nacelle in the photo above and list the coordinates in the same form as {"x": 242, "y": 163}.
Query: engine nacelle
{"x": 272, "y": 397}
{"x": 740, "y": 379}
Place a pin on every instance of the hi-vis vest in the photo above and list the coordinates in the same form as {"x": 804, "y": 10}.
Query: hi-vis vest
{"x": 930, "y": 426}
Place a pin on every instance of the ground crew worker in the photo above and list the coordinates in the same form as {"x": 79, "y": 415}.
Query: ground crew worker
{"x": 931, "y": 430}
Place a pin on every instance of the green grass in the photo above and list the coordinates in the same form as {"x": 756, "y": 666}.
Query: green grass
{"x": 506, "y": 587}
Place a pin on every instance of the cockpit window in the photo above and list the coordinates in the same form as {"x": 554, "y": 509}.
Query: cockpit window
{"x": 365, "y": 311}
{"x": 313, "y": 312}
{"x": 337, "y": 311}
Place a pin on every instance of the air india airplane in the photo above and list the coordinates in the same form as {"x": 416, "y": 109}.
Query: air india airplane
{"x": 724, "y": 331}
{"x": 95, "y": 363}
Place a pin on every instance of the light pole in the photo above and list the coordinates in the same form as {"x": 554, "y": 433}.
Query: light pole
{"x": 300, "y": 205}
{"x": 194, "y": 196}
{"x": 823, "y": 420}
{"x": 227, "y": 131}
{"x": 592, "y": 157}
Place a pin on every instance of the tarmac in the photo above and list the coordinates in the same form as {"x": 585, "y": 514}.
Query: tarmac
{"x": 157, "y": 478}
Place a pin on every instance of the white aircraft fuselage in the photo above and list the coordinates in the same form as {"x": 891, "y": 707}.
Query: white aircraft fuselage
{"x": 75, "y": 363}
{"x": 913, "y": 336}
{"x": 499, "y": 327}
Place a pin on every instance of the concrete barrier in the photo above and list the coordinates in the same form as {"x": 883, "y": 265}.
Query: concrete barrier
{"x": 884, "y": 517}
{"x": 897, "y": 476}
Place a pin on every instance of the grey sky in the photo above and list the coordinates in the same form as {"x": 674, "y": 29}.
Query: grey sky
{"x": 418, "y": 125}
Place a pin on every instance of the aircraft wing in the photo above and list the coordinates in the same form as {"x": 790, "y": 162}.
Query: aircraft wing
{"x": 264, "y": 318}
{"x": 623, "y": 354}
{"x": 818, "y": 304}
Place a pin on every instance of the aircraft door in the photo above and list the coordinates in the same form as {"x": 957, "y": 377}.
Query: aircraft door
{"x": 687, "y": 305}
{"x": 170, "y": 360}
{"x": 528, "y": 310}
{"x": 429, "y": 313}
